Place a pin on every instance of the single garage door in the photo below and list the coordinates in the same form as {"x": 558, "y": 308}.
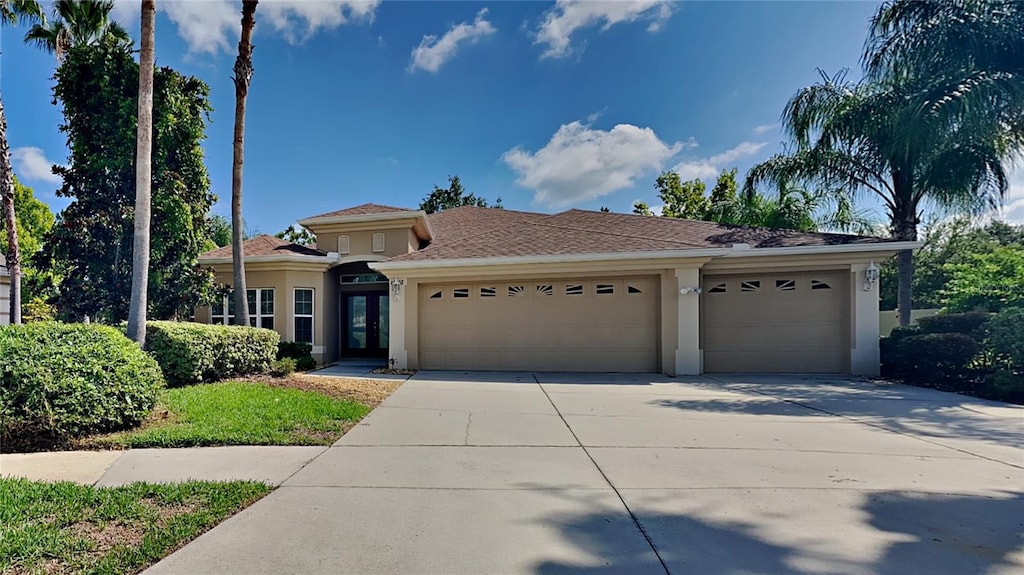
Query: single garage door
{"x": 540, "y": 325}
{"x": 776, "y": 322}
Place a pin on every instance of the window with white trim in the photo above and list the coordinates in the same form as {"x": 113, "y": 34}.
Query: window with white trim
{"x": 261, "y": 308}
{"x": 304, "y": 315}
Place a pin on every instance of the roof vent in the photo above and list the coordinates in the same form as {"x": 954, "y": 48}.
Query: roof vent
{"x": 741, "y": 247}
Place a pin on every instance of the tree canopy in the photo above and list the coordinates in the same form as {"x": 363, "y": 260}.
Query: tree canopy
{"x": 453, "y": 196}
{"x": 297, "y": 235}
{"x": 34, "y": 220}
{"x": 91, "y": 243}
{"x": 78, "y": 23}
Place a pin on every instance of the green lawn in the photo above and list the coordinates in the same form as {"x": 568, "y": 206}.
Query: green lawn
{"x": 69, "y": 528}
{"x": 239, "y": 414}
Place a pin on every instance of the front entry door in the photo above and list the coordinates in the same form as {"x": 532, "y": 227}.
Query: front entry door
{"x": 364, "y": 324}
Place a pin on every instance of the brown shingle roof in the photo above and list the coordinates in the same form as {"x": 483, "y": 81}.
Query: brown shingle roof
{"x": 482, "y": 232}
{"x": 362, "y": 210}
{"x": 264, "y": 246}
{"x": 465, "y": 221}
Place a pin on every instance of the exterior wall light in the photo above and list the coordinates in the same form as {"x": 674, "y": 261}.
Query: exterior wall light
{"x": 690, "y": 289}
{"x": 871, "y": 276}
{"x": 396, "y": 288}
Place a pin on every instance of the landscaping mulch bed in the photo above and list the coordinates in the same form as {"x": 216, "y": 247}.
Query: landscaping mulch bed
{"x": 369, "y": 392}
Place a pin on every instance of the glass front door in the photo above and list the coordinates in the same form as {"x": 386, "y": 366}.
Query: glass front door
{"x": 365, "y": 317}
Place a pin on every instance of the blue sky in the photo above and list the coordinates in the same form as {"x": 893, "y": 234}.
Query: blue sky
{"x": 547, "y": 105}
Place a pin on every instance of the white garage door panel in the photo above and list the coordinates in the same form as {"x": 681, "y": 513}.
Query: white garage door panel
{"x": 542, "y": 325}
{"x": 780, "y": 322}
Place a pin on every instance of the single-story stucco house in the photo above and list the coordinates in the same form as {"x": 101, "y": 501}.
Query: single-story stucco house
{"x": 491, "y": 289}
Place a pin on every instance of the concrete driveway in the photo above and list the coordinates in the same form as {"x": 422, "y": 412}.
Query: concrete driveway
{"x": 553, "y": 473}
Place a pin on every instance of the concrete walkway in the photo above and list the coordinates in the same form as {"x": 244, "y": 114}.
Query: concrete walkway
{"x": 555, "y": 473}
{"x": 272, "y": 465}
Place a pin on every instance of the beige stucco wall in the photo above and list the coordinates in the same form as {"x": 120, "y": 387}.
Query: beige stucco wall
{"x": 888, "y": 320}
{"x": 396, "y": 240}
{"x": 283, "y": 278}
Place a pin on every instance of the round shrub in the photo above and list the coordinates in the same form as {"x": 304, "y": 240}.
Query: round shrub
{"x": 1006, "y": 337}
{"x": 196, "y": 352}
{"x": 59, "y": 381}
{"x": 283, "y": 367}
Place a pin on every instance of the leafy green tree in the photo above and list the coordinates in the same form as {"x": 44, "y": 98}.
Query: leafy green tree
{"x": 681, "y": 199}
{"x": 453, "y": 196}
{"x": 218, "y": 231}
{"x": 297, "y": 235}
{"x": 12, "y": 12}
{"x": 869, "y": 138}
{"x": 34, "y": 221}
{"x": 986, "y": 282}
{"x": 946, "y": 243}
{"x": 90, "y": 246}
{"x": 78, "y": 23}
{"x": 641, "y": 208}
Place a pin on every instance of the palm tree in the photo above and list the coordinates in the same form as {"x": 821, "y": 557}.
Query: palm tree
{"x": 963, "y": 56}
{"x": 870, "y": 138}
{"x": 77, "y": 23}
{"x": 143, "y": 178}
{"x": 242, "y": 77}
{"x": 11, "y": 12}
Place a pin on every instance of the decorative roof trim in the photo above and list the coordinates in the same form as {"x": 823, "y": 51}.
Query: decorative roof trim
{"x": 739, "y": 250}
{"x": 323, "y": 220}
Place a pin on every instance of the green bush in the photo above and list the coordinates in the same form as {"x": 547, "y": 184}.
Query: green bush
{"x": 282, "y": 367}
{"x": 301, "y": 352}
{"x": 928, "y": 358}
{"x": 197, "y": 352}
{"x": 59, "y": 381}
{"x": 969, "y": 323}
{"x": 1006, "y": 337}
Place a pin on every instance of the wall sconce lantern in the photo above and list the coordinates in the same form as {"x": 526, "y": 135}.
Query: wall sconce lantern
{"x": 396, "y": 288}
{"x": 871, "y": 276}
{"x": 690, "y": 289}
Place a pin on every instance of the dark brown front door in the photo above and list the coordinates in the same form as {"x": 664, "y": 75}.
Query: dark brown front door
{"x": 364, "y": 324}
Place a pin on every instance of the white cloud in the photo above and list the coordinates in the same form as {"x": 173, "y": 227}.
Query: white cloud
{"x": 765, "y": 128}
{"x": 569, "y": 16}
{"x": 433, "y": 52}
{"x": 211, "y": 26}
{"x": 704, "y": 168}
{"x": 1013, "y": 207}
{"x": 580, "y": 163}
{"x": 31, "y": 164}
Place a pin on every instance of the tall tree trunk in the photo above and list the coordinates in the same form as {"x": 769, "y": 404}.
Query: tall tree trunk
{"x": 243, "y": 75}
{"x": 10, "y": 219}
{"x": 904, "y": 229}
{"x": 143, "y": 178}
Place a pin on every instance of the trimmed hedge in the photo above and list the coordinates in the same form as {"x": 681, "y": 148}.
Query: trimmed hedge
{"x": 975, "y": 353}
{"x": 197, "y": 352}
{"x": 60, "y": 381}
{"x": 301, "y": 352}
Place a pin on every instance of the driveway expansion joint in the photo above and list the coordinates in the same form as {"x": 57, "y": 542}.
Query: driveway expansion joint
{"x": 632, "y": 516}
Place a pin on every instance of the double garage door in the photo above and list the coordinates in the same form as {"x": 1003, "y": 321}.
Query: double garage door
{"x": 794, "y": 322}
{"x": 764, "y": 322}
{"x": 541, "y": 325}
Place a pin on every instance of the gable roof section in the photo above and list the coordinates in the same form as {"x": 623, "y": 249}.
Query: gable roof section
{"x": 264, "y": 246}
{"x": 361, "y": 210}
{"x": 471, "y": 234}
{"x": 467, "y": 221}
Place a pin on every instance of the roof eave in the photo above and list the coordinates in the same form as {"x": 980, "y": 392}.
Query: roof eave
{"x": 270, "y": 258}
{"x": 729, "y": 252}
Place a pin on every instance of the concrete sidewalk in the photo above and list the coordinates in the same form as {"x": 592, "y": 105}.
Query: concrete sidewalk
{"x": 272, "y": 465}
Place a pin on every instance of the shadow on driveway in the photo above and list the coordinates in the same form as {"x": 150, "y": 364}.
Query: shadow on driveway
{"x": 906, "y": 532}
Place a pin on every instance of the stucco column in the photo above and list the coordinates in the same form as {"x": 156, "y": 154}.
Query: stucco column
{"x": 864, "y": 323}
{"x": 688, "y": 354}
{"x": 397, "y": 353}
